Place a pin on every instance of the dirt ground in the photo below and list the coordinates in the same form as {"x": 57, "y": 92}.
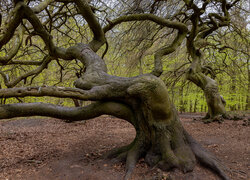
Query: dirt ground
{"x": 50, "y": 149}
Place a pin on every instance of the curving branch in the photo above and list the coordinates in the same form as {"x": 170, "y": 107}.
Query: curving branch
{"x": 14, "y": 22}
{"x": 44, "y": 34}
{"x": 43, "y": 5}
{"x": 23, "y": 62}
{"x": 36, "y": 71}
{"x": 44, "y": 91}
{"x": 99, "y": 36}
{"x": 88, "y": 57}
{"x": 165, "y": 51}
{"x": 143, "y": 17}
{"x": 70, "y": 114}
{"x": 15, "y": 47}
{"x": 22, "y": 11}
{"x": 96, "y": 93}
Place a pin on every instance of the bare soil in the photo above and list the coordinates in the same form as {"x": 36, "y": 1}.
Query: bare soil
{"x": 50, "y": 149}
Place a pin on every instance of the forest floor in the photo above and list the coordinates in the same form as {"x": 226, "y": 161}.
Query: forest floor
{"x": 50, "y": 149}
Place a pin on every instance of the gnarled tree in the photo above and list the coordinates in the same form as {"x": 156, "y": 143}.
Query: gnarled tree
{"x": 142, "y": 100}
{"x": 202, "y": 28}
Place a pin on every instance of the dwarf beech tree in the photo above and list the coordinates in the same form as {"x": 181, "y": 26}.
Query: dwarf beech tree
{"x": 38, "y": 33}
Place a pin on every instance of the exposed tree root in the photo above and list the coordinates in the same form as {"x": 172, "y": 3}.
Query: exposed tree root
{"x": 220, "y": 118}
{"x": 206, "y": 158}
{"x": 119, "y": 154}
{"x": 130, "y": 153}
{"x": 207, "y": 116}
{"x": 114, "y": 153}
{"x": 177, "y": 158}
{"x": 246, "y": 122}
{"x": 133, "y": 156}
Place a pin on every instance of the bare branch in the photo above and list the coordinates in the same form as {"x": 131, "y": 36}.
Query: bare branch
{"x": 96, "y": 93}
{"x": 15, "y": 47}
{"x": 36, "y": 71}
{"x": 23, "y": 62}
{"x": 158, "y": 69}
{"x": 14, "y": 22}
{"x": 143, "y": 17}
{"x": 86, "y": 11}
{"x": 43, "y": 33}
{"x": 39, "y": 8}
{"x": 67, "y": 113}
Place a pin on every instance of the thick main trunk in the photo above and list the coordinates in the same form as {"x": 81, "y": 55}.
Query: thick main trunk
{"x": 160, "y": 134}
{"x": 169, "y": 147}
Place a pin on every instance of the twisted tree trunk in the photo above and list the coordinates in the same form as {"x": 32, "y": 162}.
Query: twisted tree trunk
{"x": 143, "y": 101}
{"x": 215, "y": 102}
